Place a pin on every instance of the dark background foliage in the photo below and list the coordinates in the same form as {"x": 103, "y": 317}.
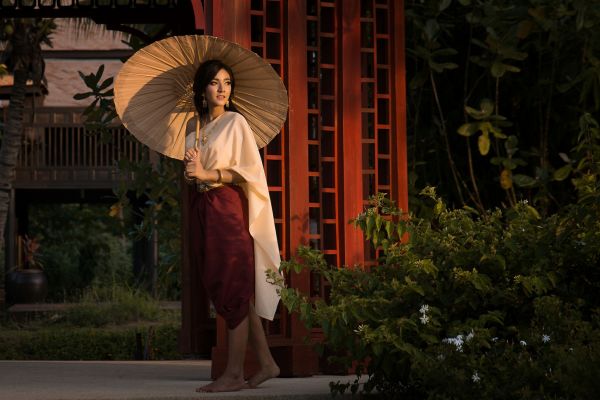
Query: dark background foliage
{"x": 529, "y": 69}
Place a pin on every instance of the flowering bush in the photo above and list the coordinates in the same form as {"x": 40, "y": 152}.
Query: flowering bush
{"x": 501, "y": 305}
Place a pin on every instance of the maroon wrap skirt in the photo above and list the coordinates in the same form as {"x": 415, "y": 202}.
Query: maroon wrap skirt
{"x": 223, "y": 249}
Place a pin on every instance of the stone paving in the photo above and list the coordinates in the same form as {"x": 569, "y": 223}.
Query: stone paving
{"x": 137, "y": 380}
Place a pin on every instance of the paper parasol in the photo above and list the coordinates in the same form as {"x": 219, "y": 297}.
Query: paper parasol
{"x": 154, "y": 96}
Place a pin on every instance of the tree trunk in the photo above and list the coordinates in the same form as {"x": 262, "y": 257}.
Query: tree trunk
{"x": 9, "y": 151}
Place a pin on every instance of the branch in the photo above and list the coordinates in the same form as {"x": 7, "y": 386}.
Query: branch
{"x": 447, "y": 142}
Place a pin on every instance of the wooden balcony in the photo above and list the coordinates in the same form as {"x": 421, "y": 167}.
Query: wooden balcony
{"x": 107, "y": 11}
{"x": 57, "y": 152}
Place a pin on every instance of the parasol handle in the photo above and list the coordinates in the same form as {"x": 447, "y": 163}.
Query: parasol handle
{"x": 197, "y": 140}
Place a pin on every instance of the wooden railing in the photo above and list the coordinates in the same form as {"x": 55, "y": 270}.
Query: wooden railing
{"x": 58, "y": 152}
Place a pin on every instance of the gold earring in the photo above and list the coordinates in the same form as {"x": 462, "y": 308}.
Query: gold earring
{"x": 227, "y": 104}
{"x": 204, "y": 103}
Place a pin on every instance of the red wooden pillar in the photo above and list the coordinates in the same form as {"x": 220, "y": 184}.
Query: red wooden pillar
{"x": 297, "y": 358}
{"x": 399, "y": 107}
{"x": 199, "y": 20}
{"x": 351, "y": 154}
{"x": 229, "y": 20}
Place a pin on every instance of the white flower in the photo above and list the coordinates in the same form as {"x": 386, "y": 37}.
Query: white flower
{"x": 359, "y": 329}
{"x": 470, "y": 336}
{"x": 495, "y": 339}
{"x": 545, "y": 338}
{"x": 523, "y": 343}
{"x": 424, "y": 319}
{"x": 475, "y": 378}
{"x": 456, "y": 341}
{"x": 424, "y": 309}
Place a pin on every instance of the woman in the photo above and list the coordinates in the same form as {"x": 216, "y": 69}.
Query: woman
{"x": 232, "y": 226}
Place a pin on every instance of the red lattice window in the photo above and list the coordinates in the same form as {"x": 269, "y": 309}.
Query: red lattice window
{"x": 266, "y": 18}
{"x": 322, "y": 72}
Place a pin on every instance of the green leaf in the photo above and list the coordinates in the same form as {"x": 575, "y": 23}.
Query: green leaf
{"x": 485, "y": 111}
{"x": 297, "y": 267}
{"x": 444, "y": 4}
{"x": 506, "y": 179}
{"x": 498, "y": 69}
{"x": 468, "y": 129}
{"x": 448, "y": 51}
{"x": 389, "y": 228}
{"x": 509, "y": 164}
{"x": 370, "y": 225}
{"x": 497, "y": 160}
{"x": 377, "y": 349}
{"x": 497, "y": 132}
{"x": 524, "y": 181}
{"x": 431, "y": 29}
{"x": 375, "y": 239}
{"x": 484, "y": 144}
{"x": 438, "y": 208}
{"x": 378, "y": 221}
{"x": 449, "y": 65}
{"x": 430, "y": 339}
{"x": 481, "y": 282}
{"x": 81, "y": 96}
{"x": 563, "y": 173}
{"x": 419, "y": 80}
{"x": 533, "y": 213}
{"x": 514, "y": 54}
{"x": 524, "y": 28}
{"x": 106, "y": 84}
{"x": 400, "y": 231}
{"x": 99, "y": 72}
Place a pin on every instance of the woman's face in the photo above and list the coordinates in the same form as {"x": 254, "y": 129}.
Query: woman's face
{"x": 218, "y": 90}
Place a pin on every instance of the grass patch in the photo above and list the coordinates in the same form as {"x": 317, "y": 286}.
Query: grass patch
{"x": 116, "y": 305}
{"x": 113, "y": 323}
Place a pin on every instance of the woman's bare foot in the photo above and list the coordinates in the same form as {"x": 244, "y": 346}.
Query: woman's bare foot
{"x": 224, "y": 384}
{"x": 263, "y": 375}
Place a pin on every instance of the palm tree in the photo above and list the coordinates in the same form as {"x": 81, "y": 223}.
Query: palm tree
{"x": 22, "y": 55}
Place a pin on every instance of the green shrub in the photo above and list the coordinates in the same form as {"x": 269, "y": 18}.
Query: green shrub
{"x": 501, "y": 305}
{"x": 113, "y": 305}
{"x": 156, "y": 342}
{"x": 110, "y": 323}
{"x": 81, "y": 246}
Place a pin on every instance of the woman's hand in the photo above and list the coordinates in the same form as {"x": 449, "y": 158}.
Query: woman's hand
{"x": 193, "y": 166}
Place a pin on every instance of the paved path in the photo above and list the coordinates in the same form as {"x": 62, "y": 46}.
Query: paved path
{"x": 137, "y": 380}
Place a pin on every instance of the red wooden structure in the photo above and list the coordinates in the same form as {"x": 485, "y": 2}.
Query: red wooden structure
{"x": 343, "y": 64}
